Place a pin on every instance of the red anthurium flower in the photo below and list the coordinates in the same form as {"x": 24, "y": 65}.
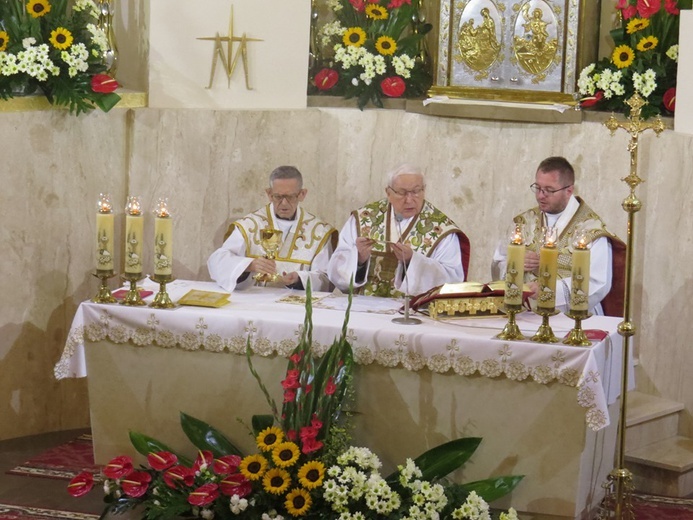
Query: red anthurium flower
{"x": 81, "y": 484}
{"x": 203, "y": 461}
{"x": 592, "y": 100}
{"x": 161, "y": 460}
{"x": 330, "y": 387}
{"x": 118, "y": 467}
{"x": 393, "y": 86}
{"x": 325, "y": 80}
{"x": 103, "y": 84}
{"x": 671, "y": 6}
{"x": 235, "y": 484}
{"x": 136, "y": 483}
{"x": 647, "y": 8}
{"x": 226, "y": 464}
{"x": 669, "y": 99}
{"x": 204, "y": 495}
{"x": 179, "y": 475}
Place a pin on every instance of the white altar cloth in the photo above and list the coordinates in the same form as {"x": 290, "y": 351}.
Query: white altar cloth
{"x": 465, "y": 346}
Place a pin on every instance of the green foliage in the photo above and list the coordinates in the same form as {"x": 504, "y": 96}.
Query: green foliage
{"x": 206, "y": 437}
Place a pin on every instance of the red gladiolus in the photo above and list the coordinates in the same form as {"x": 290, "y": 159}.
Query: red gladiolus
{"x": 291, "y": 435}
{"x": 394, "y": 4}
{"x": 203, "y": 461}
{"x": 289, "y": 396}
{"x": 669, "y": 99}
{"x": 136, "y": 483}
{"x": 393, "y": 86}
{"x": 161, "y": 460}
{"x": 592, "y": 100}
{"x": 81, "y": 484}
{"x": 295, "y": 358}
{"x": 325, "y": 80}
{"x": 178, "y": 475}
{"x": 672, "y": 7}
{"x": 204, "y": 495}
{"x": 291, "y": 382}
{"x": 648, "y": 8}
{"x": 226, "y": 464}
{"x": 359, "y": 5}
{"x": 103, "y": 84}
{"x": 235, "y": 484}
{"x": 118, "y": 467}
{"x": 330, "y": 387}
{"x": 310, "y": 445}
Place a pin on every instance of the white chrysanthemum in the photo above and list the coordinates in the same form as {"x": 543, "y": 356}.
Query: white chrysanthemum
{"x": 586, "y": 85}
{"x": 86, "y": 5}
{"x": 329, "y": 31}
{"x": 98, "y": 37}
{"x": 645, "y": 83}
{"x": 28, "y": 42}
{"x": 335, "y": 5}
{"x": 510, "y": 515}
{"x": 673, "y": 52}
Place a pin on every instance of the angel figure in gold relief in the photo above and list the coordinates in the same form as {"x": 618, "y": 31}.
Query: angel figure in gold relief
{"x": 479, "y": 46}
{"x": 535, "y": 51}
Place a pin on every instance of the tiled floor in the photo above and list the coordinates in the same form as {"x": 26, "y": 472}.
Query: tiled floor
{"x": 41, "y": 492}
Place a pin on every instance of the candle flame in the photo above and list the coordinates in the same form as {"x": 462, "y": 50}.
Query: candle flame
{"x": 161, "y": 210}
{"x": 133, "y": 206}
{"x": 104, "y": 204}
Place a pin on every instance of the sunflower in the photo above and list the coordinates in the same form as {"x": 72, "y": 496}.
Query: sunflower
{"x": 354, "y": 37}
{"x": 637, "y": 24}
{"x": 376, "y": 12}
{"x": 385, "y": 45}
{"x": 298, "y": 502}
{"x": 276, "y": 481}
{"x": 253, "y": 467}
{"x": 311, "y": 474}
{"x": 268, "y": 438}
{"x": 38, "y": 8}
{"x": 623, "y": 56}
{"x": 285, "y": 454}
{"x": 61, "y": 38}
{"x": 4, "y": 40}
{"x": 647, "y": 43}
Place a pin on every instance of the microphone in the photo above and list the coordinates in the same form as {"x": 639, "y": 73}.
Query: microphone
{"x": 406, "y": 320}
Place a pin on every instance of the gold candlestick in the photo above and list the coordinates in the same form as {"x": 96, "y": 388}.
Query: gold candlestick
{"x": 511, "y": 331}
{"x": 544, "y": 332}
{"x": 133, "y": 295}
{"x": 104, "y": 295}
{"x": 576, "y": 336}
{"x": 162, "y": 300}
{"x": 619, "y": 485}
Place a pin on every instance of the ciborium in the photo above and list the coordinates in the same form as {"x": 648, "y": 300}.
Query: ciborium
{"x": 271, "y": 241}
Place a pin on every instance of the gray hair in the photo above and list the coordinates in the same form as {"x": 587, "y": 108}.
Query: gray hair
{"x": 286, "y": 172}
{"x": 405, "y": 169}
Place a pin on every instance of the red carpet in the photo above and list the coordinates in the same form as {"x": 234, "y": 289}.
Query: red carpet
{"x": 649, "y": 507}
{"x": 12, "y": 512}
{"x": 62, "y": 462}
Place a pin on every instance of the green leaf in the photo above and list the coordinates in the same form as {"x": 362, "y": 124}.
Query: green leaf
{"x": 206, "y": 437}
{"x": 261, "y": 422}
{"x": 492, "y": 488}
{"x": 146, "y": 445}
{"x": 106, "y": 101}
{"x": 444, "y": 459}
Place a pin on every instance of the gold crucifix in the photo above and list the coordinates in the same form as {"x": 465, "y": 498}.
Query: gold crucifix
{"x": 228, "y": 59}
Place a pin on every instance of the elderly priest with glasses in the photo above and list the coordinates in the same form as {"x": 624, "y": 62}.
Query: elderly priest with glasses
{"x": 306, "y": 242}
{"x": 400, "y": 244}
{"x": 567, "y": 214}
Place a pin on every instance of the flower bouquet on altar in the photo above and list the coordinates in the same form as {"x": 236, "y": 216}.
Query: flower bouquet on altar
{"x": 57, "y": 49}
{"x": 372, "y": 48}
{"x": 304, "y": 466}
{"x": 644, "y": 59}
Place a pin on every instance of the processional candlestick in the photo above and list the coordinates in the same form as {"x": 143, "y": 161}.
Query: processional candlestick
{"x": 619, "y": 485}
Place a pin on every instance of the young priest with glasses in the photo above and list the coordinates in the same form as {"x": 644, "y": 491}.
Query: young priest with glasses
{"x": 306, "y": 242}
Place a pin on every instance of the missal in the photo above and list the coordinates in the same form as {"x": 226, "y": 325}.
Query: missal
{"x": 199, "y": 298}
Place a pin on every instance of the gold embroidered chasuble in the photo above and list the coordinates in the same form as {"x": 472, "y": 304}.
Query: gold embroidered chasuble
{"x": 423, "y": 234}
{"x": 298, "y": 247}
{"x": 585, "y": 218}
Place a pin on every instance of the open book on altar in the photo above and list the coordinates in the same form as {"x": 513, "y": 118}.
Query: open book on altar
{"x": 464, "y": 299}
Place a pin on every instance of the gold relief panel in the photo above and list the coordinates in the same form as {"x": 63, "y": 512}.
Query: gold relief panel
{"x": 528, "y": 50}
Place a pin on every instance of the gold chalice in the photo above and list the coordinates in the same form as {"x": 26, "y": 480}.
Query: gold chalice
{"x": 270, "y": 240}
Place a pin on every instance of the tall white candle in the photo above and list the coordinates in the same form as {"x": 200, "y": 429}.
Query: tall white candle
{"x": 134, "y": 231}
{"x": 548, "y": 271}
{"x": 580, "y": 274}
{"x": 515, "y": 271}
{"x": 104, "y": 234}
{"x": 163, "y": 239}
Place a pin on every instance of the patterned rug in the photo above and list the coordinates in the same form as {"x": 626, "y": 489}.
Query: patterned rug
{"x": 62, "y": 462}
{"x": 13, "y": 512}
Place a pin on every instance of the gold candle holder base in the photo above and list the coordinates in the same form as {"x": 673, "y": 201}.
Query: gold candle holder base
{"x": 576, "y": 336}
{"x": 133, "y": 295}
{"x": 104, "y": 295}
{"x": 162, "y": 300}
{"x": 511, "y": 331}
{"x": 262, "y": 279}
{"x": 617, "y": 502}
{"x": 544, "y": 332}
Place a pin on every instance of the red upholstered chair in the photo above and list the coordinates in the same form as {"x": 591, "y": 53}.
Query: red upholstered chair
{"x": 613, "y": 302}
{"x": 465, "y": 249}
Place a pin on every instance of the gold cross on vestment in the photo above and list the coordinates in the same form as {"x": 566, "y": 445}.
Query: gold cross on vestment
{"x": 228, "y": 60}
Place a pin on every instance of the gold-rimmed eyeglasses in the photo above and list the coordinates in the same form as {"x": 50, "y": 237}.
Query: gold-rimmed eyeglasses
{"x": 546, "y": 191}
{"x": 291, "y": 199}
{"x": 415, "y": 193}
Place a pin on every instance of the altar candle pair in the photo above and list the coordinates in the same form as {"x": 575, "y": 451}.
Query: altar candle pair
{"x": 163, "y": 239}
{"x": 548, "y": 271}
{"x": 515, "y": 271}
{"x": 104, "y": 233}
{"x": 579, "y": 291}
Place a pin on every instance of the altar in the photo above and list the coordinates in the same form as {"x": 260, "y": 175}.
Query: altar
{"x": 545, "y": 411}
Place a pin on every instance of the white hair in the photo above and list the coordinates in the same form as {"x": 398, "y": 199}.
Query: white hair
{"x": 404, "y": 169}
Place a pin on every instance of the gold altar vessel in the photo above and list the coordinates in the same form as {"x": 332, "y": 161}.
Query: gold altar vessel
{"x": 270, "y": 240}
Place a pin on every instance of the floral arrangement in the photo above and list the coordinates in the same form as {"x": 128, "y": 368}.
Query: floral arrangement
{"x": 644, "y": 59}
{"x": 46, "y": 45}
{"x": 304, "y": 466}
{"x": 373, "y": 48}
